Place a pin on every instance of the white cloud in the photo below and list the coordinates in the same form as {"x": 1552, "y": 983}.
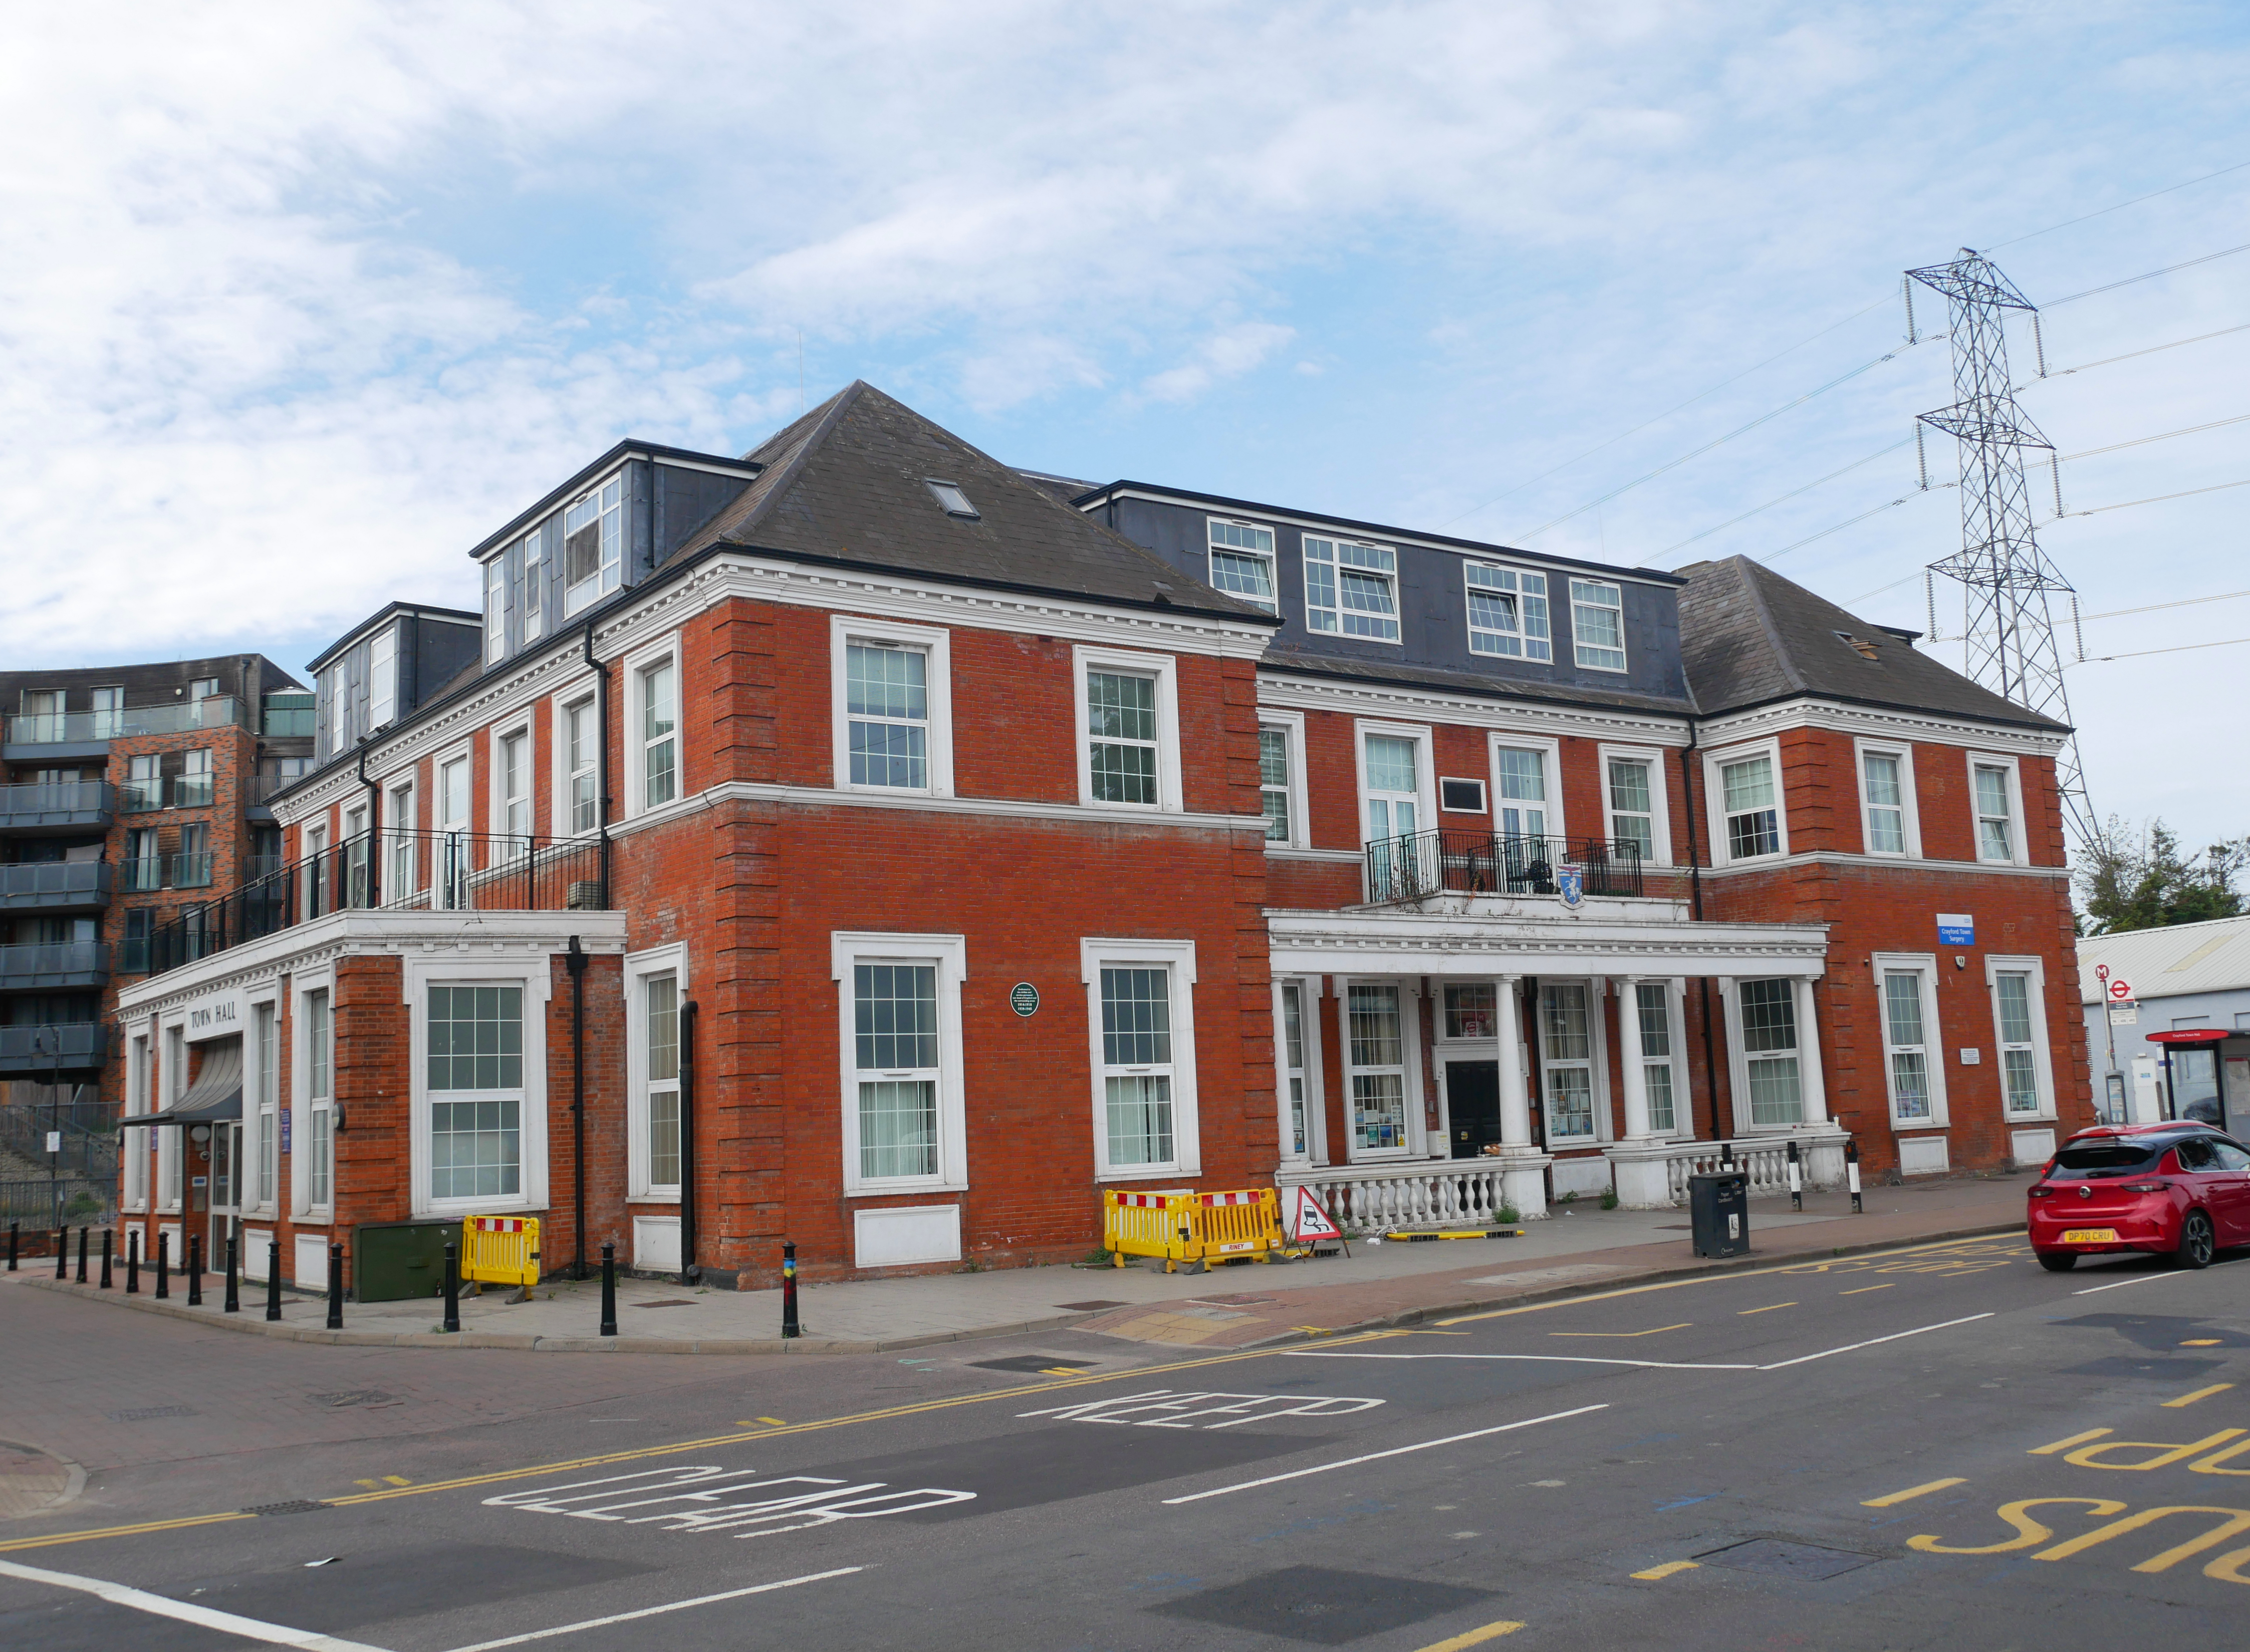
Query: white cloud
{"x": 1224, "y": 355}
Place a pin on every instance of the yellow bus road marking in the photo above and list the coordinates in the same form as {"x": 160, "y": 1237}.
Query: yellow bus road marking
{"x": 1654, "y": 1330}
{"x": 2200, "y": 1393}
{"x": 1844, "y": 1264}
{"x": 2201, "y": 1342}
{"x": 1473, "y": 1637}
{"x": 1769, "y": 1308}
{"x": 1910, "y": 1493}
{"x": 1861, "y": 1290}
{"x": 1658, "y": 1573}
{"x": 2065, "y": 1445}
{"x": 705, "y": 1444}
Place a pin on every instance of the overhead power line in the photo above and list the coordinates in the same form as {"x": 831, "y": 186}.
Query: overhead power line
{"x": 1784, "y": 499}
{"x": 2215, "y": 487}
{"x": 2148, "y": 276}
{"x": 2120, "y": 206}
{"x": 2142, "y": 440}
{"x": 2183, "y": 648}
{"x": 2184, "y": 602}
{"x": 2064, "y": 373}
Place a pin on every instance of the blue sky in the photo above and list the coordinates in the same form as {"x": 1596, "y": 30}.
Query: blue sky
{"x": 299, "y": 303}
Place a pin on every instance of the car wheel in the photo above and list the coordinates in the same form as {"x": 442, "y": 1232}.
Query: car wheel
{"x": 2058, "y": 1261}
{"x": 2196, "y": 1243}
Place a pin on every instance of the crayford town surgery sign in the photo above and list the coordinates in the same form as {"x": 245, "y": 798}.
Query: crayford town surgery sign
{"x": 216, "y": 1016}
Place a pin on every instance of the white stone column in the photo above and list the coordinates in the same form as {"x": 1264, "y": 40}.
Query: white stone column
{"x": 1523, "y": 1168}
{"x": 1811, "y": 1084}
{"x": 1636, "y": 1068}
{"x": 1640, "y": 1165}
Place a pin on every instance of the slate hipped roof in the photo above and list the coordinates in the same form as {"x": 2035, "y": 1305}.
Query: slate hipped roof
{"x": 849, "y": 483}
{"x": 1749, "y": 638}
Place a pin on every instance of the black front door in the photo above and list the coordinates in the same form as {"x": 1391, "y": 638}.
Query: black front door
{"x": 1473, "y": 1104}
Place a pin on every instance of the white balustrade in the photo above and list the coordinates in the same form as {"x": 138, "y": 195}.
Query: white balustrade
{"x": 1378, "y": 1198}
{"x": 1764, "y": 1162}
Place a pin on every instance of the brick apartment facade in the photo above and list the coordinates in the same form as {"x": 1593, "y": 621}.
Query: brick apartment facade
{"x": 865, "y": 843}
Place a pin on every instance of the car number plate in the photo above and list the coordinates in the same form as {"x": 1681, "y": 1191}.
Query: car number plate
{"x": 2089, "y": 1235}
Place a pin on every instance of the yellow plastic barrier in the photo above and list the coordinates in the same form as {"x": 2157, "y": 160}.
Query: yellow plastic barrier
{"x": 501, "y": 1251}
{"x": 1192, "y": 1229}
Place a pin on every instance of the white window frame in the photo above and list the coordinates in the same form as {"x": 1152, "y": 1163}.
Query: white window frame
{"x": 1715, "y": 800}
{"x": 560, "y": 811}
{"x": 609, "y": 571}
{"x": 1909, "y": 811}
{"x": 438, "y": 819}
{"x": 533, "y": 976}
{"x": 950, "y": 955}
{"x": 1309, "y": 1024}
{"x": 1600, "y": 1098}
{"x": 937, "y": 643}
{"x": 381, "y": 676}
{"x": 1416, "y": 1144}
{"x": 1550, "y": 767}
{"x": 1924, "y": 966}
{"x": 1811, "y": 1087}
{"x": 665, "y": 651}
{"x": 261, "y": 1091}
{"x": 1178, "y": 957}
{"x": 1660, "y": 795}
{"x": 1537, "y": 647}
{"x": 134, "y": 1193}
{"x": 1624, "y": 647}
{"x": 1425, "y": 771}
{"x": 1270, "y": 556}
{"x": 497, "y": 805}
{"x": 1291, "y": 725}
{"x": 2042, "y": 1051}
{"x": 495, "y": 572}
{"x": 1335, "y": 609}
{"x": 169, "y": 1194}
{"x": 399, "y": 817}
{"x": 2019, "y": 848}
{"x": 639, "y": 968}
{"x": 1165, "y": 668}
{"x": 1675, "y": 1025}
{"x": 534, "y": 575}
{"x": 302, "y": 986}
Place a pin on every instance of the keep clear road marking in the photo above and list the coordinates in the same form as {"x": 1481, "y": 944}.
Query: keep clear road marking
{"x": 1647, "y": 1365}
{"x": 651, "y": 1611}
{"x": 1473, "y": 1637}
{"x": 1911, "y": 1493}
{"x": 2200, "y": 1393}
{"x": 1658, "y": 1573}
{"x": 203, "y": 1616}
{"x": 1377, "y": 1457}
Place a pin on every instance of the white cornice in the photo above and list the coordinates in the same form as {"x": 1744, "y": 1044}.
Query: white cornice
{"x": 1927, "y": 727}
{"x": 1360, "y": 698}
{"x": 362, "y": 933}
{"x": 1883, "y": 863}
{"x": 1351, "y": 943}
{"x": 922, "y": 802}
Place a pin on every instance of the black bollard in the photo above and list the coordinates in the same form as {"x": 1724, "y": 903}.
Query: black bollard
{"x": 132, "y": 1262}
{"x": 273, "y": 1280}
{"x": 108, "y": 1237}
{"x": 452, "y": 1286}
{"x": 82, "y": 1236}
{"x": 1796, "y": 1178}
{"x": 163, "y": 1264}
{"x": 195, "y": 1271}
{"x": 62, "y": 1254}
{"x": 233, "y": 1303}
{"x": 335, "y": 1287}
{"x": 609, "y": 1291}
{"x": 1852, "y": 1175}
{"x": 15, "y": 1238}
{"x": 788, "y": 1289}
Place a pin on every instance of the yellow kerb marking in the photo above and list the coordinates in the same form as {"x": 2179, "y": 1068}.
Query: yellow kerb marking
{"x": 2065, "y": 1445}
{"x": 2200, "y": 1393}
{"x": 2201, "y": 1342}
{"x": 393, "y": 1479}
{"x": 1862, "y": 1289}
{"x": 773, "y": 1422}
{"x": 1658, "y": 1573}
{"x": 1769, "y": 1308}
{"x": 1473, "y": 1637}
{"x": 1061, "y": 1371}
{"x": 1653, "y": 1332}
{"x": 1910, "y": 1493}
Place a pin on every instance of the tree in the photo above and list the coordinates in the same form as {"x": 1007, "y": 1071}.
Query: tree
{"x": 2142, "y": 881}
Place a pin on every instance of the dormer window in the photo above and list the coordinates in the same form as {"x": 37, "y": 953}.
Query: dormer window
{"x": 1242, "y": 561}
{"x": 1508, "y": 612}
{"x": 593, "y": 545}
{"x": 949, "y": 496}
{"x": 496, "y": 609}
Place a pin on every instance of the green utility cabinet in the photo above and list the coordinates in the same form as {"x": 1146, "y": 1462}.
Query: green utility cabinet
{"x": 398, "y": 1261}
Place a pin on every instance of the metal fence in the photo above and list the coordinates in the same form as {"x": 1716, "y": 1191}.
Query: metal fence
{"x": 70, "y": 1203}
{"x": 1420, "y": 865}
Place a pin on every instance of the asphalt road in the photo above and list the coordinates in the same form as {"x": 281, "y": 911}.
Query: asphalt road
{"x": 1939, "y": 1446}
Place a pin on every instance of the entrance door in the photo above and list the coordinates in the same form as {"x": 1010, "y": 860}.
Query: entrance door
{"x": 1473, "y": 1105}
{"x": 225, "y": 1190}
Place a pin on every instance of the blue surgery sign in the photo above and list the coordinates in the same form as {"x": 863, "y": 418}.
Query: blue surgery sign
{"x": 1957, "y": 929}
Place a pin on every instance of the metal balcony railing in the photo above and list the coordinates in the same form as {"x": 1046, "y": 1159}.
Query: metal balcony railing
{"x": 419, "y": 870}
{"x": 53, "y": 967}
{"x": 55, "y": 884}
{"x": 32, "y": 1053}
{"x": 1450, "y": 862}
{"x": 57, "y": 729}
{"x": 49, "y": 804}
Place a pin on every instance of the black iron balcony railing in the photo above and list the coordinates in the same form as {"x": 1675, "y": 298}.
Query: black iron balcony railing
{"x": 57, "y": 729}
{"x": 55, "y": 886}
{"x": 1449, "y": 862}
{"x": 49, "y": 805}
{"x": 53, "y": 967}
{"x": 419, "y": 870}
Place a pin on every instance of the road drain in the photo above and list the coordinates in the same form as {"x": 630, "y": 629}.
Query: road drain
{"x": 351, "y": 1397}
{"x": 1777, "y": 1558}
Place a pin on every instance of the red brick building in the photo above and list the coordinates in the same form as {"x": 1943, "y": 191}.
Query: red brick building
{"x": 866, "y": 843}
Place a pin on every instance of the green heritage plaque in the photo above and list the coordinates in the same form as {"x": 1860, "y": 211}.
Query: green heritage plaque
{"x": 1023, "y": 998}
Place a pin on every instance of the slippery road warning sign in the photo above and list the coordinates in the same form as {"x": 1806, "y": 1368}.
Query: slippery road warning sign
{"x": 1308, "y": 1221}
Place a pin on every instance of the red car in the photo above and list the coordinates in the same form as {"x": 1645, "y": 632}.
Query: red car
{"x": 2179, "y": 1189}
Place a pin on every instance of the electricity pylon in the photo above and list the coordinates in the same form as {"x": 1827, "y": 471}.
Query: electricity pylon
{"x": 2008, "y": 634}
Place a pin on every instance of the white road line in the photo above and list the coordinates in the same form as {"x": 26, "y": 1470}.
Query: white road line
{"x": 652, "y": 1611}
{"x": 1372, "y": 1456}
{"x": 2119, "y": 1284}
{"x": 1546, "y": 1359}
{"x": 207, "y": 1617}
{"x": 1853, "y": 1347}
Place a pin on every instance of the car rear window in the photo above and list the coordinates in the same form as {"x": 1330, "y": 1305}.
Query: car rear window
{"x": 2097, "y": 1158}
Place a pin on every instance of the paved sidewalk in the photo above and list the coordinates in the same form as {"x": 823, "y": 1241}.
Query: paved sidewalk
{"x": 1236, "y": 1306}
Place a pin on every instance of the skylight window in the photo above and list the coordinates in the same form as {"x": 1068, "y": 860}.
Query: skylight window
{"x": 949, "y": 495}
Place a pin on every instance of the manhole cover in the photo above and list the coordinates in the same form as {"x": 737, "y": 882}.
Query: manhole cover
{"x": 31, "y": 1481}
{"x": 1039, "y": 1363}
{"x": 667, "y": 1302}
{"x": 1322, "y": 1605}
{"x": 1089, "y": 1307}
{"x": 144, "y": 1413}
{"x": 350, "y": 1397}
{"x": 1778, "y": 1557}
{"x": 301, "y": 1505}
